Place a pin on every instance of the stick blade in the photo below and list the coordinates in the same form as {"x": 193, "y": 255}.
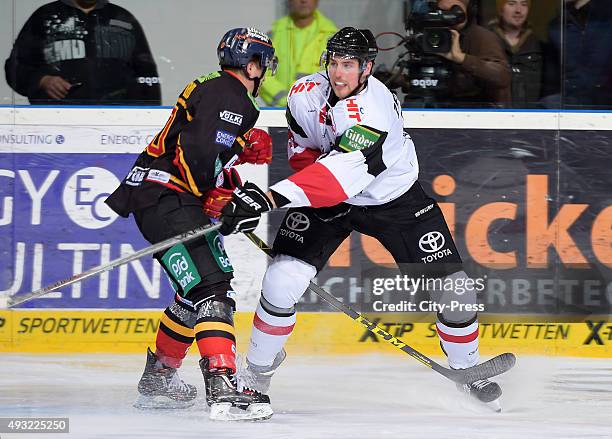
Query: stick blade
{"x": 490, "y": 368}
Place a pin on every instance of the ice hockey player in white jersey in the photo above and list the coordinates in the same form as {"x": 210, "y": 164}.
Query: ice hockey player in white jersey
{"x": 356, "y": 170}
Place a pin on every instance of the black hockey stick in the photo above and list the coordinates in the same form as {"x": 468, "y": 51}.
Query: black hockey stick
{"x": 183, "y": 237}
{"x": 495, "y": 366}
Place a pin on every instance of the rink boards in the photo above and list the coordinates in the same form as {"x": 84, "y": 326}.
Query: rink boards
{"x": 526, "y": 195}
{"x": 128, "y": 331}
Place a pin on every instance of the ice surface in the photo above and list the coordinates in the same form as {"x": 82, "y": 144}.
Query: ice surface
{"x": 385, "y": 396}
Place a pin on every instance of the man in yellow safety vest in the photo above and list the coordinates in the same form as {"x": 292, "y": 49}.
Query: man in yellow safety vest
{"x": 299, "y": 41}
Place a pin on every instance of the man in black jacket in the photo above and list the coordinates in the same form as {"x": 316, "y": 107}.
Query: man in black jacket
{"x": 523, "y": 50}
{"x": 83, "y": 52}
{"x": 578, "y": 57}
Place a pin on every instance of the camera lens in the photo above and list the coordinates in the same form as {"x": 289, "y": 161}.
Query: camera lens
{"x": 434, "y": 39}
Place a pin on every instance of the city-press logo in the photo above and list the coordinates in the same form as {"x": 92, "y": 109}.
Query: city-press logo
{"x": 230, "y": 117}
{"x": 297, "y": 222}
{"x": 431, "y": 242}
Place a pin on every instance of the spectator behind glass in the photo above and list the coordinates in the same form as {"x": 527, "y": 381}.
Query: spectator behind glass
{"x": 299, "y": 40}
{"x": 480, "y": 75}
{"x": 585, "y": 81}
{"x": 523, "y": 51}
{"x": 83, "y": 52}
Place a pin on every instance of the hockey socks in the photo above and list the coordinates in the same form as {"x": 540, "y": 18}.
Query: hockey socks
{"x": 175, "y": 334}
{"x": 214, "y": 333}
{"x": 272, "y": 326}
{"x": 217, "y": 344}
{"x": 459, "y": 342}
{"x": 284, "y": 283}
{"x": 457, "y": 327}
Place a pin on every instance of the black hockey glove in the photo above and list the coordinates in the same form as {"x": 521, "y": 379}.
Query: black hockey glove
{"x": 242, "y": 213}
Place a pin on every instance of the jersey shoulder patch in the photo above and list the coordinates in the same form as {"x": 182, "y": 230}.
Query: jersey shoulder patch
{"x": 359, "y": 137}
{"x": 307, "y": 90}
{"x": 208, "y": 77}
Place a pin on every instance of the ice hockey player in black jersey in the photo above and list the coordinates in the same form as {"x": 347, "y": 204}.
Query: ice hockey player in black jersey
{"x": 181, "y": 181}
{"x": 356, "y": 170}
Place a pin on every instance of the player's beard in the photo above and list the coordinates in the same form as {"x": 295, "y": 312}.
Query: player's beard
{"x": 355, "y": 90}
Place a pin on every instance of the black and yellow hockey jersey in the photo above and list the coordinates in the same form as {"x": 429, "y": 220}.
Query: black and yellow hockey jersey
{"x": 204, "y": 133}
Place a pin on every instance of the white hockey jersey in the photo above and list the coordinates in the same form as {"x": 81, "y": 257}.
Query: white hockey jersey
{"x": 363, "y": 157}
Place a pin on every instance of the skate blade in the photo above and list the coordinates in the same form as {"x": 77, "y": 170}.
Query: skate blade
{"x": 254, "y": 412}
{"x": 481, "y": 406}
{"x": 161, "y": 402}
{"x": 494, "y": 405}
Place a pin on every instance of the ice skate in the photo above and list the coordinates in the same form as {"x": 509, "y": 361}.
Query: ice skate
{"x": 226, "y": 402}
{"x": 161, "y": 387}
{"x": 257, "y": 377}
{"x": 485, "y": 391}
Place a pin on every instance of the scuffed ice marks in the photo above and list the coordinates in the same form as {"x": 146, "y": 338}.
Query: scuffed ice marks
{"x": 544, "y": 398}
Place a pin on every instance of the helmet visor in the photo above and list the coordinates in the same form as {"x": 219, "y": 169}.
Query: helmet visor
{"x": 271, "y": 63}
{"x": 268, "y": 61}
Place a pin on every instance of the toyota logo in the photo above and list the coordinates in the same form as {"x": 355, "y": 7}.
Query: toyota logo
{"x": 297, "y": 222}
{"x": 431, "y": 242}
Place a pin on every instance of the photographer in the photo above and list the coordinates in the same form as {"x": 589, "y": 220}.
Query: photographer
{"x": 480, "y": 75}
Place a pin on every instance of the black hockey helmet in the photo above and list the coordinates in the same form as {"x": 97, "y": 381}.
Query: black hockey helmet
{"x": 352, "y": 43}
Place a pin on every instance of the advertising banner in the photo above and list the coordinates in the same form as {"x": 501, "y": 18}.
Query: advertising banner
{"x": 128, "y": 331}
{"x": 530, "y": 211}
{"x": 54, "y": 222}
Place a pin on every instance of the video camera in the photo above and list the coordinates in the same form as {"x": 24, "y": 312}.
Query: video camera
{"x": 420, "y": 73}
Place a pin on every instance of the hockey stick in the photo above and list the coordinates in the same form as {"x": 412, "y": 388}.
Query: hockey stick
{"x": 183, "y": 237}
{"x": 495, "y": 366}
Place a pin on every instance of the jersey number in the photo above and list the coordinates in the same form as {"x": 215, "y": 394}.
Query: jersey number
{"x": 158, "y": 146}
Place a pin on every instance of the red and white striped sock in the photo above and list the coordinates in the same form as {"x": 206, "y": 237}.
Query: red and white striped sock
{"x": 459, "y": 342}
{"x": 272, "y": 326}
